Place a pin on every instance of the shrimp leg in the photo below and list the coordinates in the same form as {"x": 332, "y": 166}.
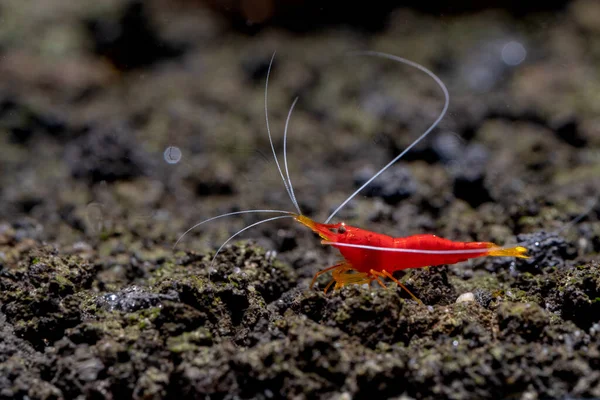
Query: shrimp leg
{"x": 380, "y": 282}
{"x": 345, "y": 275}
{"x": 331, "y": 282}
{"x": 312, "y": 283}
{"x": 386, "y": 274}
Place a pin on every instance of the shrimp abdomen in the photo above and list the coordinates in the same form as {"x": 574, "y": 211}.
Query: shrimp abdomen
{"x": 435, "y": 243}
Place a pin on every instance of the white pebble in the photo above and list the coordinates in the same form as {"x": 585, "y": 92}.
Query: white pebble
{"x": 465, "y": 297}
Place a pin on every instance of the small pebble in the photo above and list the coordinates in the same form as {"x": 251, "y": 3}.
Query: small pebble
{"x": 465, "y": 297}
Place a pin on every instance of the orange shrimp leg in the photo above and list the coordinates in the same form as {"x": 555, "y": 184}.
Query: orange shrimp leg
{"x": 323, "y": 271}
{"x": 386, "y": 274}
{"x": 331, "y": 282}
{"x": 380, "y": 282}
{"x": 346, "y": 274}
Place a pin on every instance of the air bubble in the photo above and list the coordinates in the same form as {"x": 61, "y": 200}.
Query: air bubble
{"x": 172, "y": 155}
{"x": 513, "y": 53}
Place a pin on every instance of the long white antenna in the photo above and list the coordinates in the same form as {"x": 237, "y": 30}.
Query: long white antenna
{"x": 289, "y": 188}
{"x": 287, "y": 172}
{"x": 227, "y": 215}
{"x": 245, "y": 229}
{"x": 437, "y": 121}
{"x": 575, "y": 220}
{"x": 270, "y": 137}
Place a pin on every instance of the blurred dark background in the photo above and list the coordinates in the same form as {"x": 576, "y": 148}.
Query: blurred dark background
{"x": 298, "y": 15}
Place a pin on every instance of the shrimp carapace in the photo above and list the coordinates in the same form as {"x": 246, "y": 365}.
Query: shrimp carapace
{"x": 373, "y": 255}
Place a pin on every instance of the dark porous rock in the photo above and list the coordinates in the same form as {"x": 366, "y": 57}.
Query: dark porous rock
{"x": 395, "y": 185}
{"x": 108, "y": 153}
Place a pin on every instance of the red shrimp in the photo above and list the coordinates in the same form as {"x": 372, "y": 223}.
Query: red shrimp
{"x": 373, "y": 255}
{"x": 370, "y": 256}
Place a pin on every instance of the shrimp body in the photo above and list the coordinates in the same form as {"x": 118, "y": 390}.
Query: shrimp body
{"x": 373, "y": 255}
{"x": 364, "y": 259}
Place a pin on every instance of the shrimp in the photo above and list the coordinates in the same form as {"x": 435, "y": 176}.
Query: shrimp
{"x": 370, "y": 256}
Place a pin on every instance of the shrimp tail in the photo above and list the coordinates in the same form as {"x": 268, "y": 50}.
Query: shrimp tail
{"x": 517, "y": 251}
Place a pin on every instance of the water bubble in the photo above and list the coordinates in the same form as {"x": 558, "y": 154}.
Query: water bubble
{"x": 172, "y": 155}
{"x": 237, "y": 270}
{"x": 513, "y": 53}
{"x": 455, "y": 343}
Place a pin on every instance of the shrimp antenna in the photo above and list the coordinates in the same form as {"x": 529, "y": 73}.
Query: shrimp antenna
{"x": 245, "y": 229}
{"x": 413, "y": 144}
{"x": 285, "y": 183}
{"x": 287, "y": 172}
{"x": 578, "y": 218}
{"x": 289, "y": 188}
{"x": 227, "y": 215}
{"x": 569, "y": 224}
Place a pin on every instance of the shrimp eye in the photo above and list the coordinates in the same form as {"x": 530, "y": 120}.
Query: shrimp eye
{"x": 342, "y": 229}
